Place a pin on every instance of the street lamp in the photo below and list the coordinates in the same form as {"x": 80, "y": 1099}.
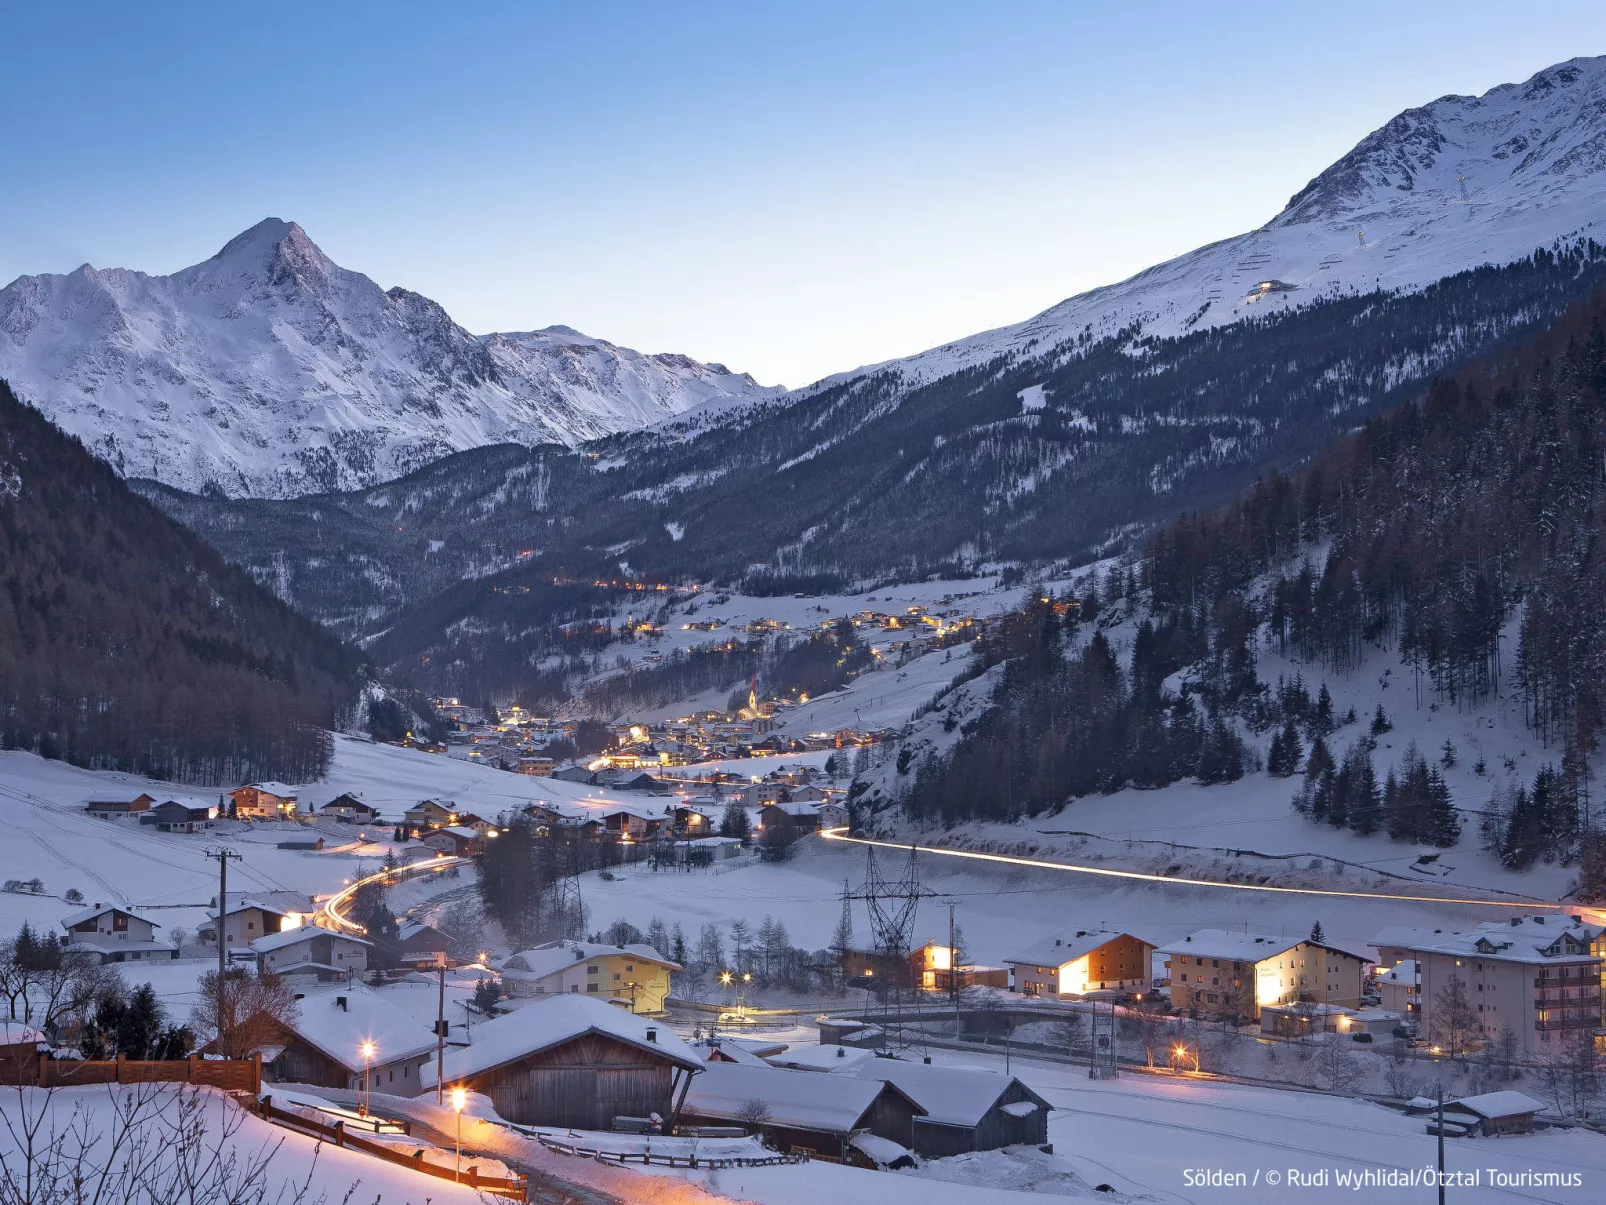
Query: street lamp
{"x": 367, "y": 1082}
{"x": 459, "y": 1099}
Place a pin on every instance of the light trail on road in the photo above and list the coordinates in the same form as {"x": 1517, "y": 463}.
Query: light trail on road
{"x": 841, "y": 834}
{"x": 329, "y": 910}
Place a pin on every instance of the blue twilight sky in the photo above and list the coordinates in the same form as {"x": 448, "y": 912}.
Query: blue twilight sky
{"x": 792, "y": 190}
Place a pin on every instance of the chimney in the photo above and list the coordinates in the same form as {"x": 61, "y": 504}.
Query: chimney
{"x": 1539, "y": 920}
{"x": 1515, "y": 921}
{"x": 1058, "y": 942}
{"x": 652, "y": 1034}
{"x": 340, "y": 1003}
{"x": 841, "y": 1052}
{"x": 1188, "y": 938}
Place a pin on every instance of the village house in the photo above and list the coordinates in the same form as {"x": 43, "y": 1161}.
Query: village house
{"x": 119, "y": 809}
{"x": 802, "y": 1110}
{"x": 636, "y": 975}
{"x": 1492, "y": 1113}
{"x": 350, "y": 809}
{"x": 115, "y": 935}
{"x": 931, "y": 968}
{"x": 422, "y": 945}
{"x": 1088, "y": 960}
{"x": 1400, "y": 989}
{"x": 540, "y": 767}
{"x": 1539, "y": 976}
{"x": 264, "y": 801}
{"x": 574, "y": 1061}
{"x": 807, "y": 794}
{"x": 251, "y": 916}
{"x": 748, "y": 1052}
{"x": 760, "y": 794}
{"x": 961, "y": 1109}
{"x": 1219, "y": 972}
{"x": 323, "y": 1044}
{"x": 430, "y": 813}
{"x": 310, "y": 951}
{"x": 455, "y": 841}
{"x": 180, "y": 816}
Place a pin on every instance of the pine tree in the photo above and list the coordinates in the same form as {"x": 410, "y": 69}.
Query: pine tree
{"x": 1442, "y": 823}
{"x": 1282, "y": 761}
{"x": 1322, "y": 723}
{"x": 658, "y": 936}
{"x": 677, "y": 944}
{"x": 1380, "y": 722}
{"x": 1317, "y": 937}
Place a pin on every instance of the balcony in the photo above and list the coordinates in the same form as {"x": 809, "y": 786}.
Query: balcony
{"x": 1569, "y": 997}
{"x": 1568, "y": 1019}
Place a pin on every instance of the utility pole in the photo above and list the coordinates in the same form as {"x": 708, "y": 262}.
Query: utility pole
{"x": 224, "y": 856}
{"x": 953, "y": 960}
{"x": 440, "y": 1043}
{"x": 1441, "y": 1144}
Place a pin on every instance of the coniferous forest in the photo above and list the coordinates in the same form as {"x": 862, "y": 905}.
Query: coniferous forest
{"x": 1476, "y": 509}
{"x": 127, "y": 643}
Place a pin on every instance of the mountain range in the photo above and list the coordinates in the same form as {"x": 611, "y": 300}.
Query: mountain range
{"x": 270, "y": 371}
{"x": 1456, "y": 230}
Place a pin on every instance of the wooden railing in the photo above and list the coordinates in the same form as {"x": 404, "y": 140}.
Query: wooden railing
{"x": 648, "y": 1158}
{"x": 515, "y": 1190}
{"x": 230, "y": 1075}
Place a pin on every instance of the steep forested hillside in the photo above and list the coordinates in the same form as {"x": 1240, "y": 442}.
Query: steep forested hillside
{"x": 127, "y": 643}
{"x": 1045, "y": 453}
{"x": 1480, "y": 503}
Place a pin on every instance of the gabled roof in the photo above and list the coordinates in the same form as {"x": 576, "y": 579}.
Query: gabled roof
{"x": 820, "y": 1058}
{"x": 1057, "y": 951}
{"x": 1525, "y": 939}
{"x": 552, "y": 1022}
{"x": 544, "y": 960}
{"x": 282, "y": 790}
{"x": 83, "y": 914}
{"x": 1248, "y": 947}
{"x": 804, "y": 1099}
{"x": 286, "y": 938}
{"x": 110, "y": 943}
{"x": 1496, "y": 1104}
{"x": 955, "y": 1096}
{"x": 367, "y": 1017}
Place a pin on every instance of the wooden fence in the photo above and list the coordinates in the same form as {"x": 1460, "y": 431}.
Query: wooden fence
{"x": 647, "y": 1158}
{"x": 516, "y": 1190}
{"x": 231, "y": 1075}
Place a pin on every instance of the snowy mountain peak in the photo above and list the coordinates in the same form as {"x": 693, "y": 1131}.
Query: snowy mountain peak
{"x": 1455, "y": 184}
{"x": 270, "y": 370}
{"x": 1552, "y": 126}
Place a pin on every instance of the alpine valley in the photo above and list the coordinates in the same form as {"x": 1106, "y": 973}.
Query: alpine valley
{"x": 1456, "y": 229}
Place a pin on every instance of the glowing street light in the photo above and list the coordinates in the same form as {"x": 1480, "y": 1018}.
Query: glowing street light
{"x": 367, "y": 1083}
{"x": 459, "y": 1099}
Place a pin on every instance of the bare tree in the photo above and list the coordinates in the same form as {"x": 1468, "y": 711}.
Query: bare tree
{"x": 1570, "y": 1077}
{"x": 1454, "y": 1022}
{"x": 159, "y": 1147}
{"x": 753, "y": 1113}
{"x": 242, "y": 1011}
{"x": 1336, "y": 1063}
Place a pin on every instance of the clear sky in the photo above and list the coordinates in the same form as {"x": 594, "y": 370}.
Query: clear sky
{"x": 792, "y": 190}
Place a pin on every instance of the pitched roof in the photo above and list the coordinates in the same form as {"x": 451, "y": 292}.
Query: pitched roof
{"x": 548, "y": 959}
{"x": 1497, "y": 1104}
{"x": 292, "y": 937}
{"x": 83, "y": 914}
{"x": 1524, "y": 939}
{"x": 1249, "y": 947}
{"x": 1057, "y": 951}
{"x": 956, "y": 1096}
{"x": 553, "y": 1021}
{"x": 367, "y": 1017}
{"x": 802, "y": 1099}
{"x": 821, "y": 1058}
{"x": 111, "y": 943}
{"x": 282, "y": 790}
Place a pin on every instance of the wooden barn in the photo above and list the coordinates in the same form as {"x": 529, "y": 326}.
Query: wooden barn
{"x": 801, "y": 1110}
{"x": 961, "y": 1109}
{"x": 572, "y": 1060}
{"x": 323, "y": 1045}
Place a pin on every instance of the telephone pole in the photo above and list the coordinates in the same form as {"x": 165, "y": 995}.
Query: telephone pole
{"x": 224, "y": 856}
{"x": 953, "y": 960}
{"x": 440, "y": 1042}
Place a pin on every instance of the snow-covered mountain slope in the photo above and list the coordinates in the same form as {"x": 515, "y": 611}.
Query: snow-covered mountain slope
{"x": 271, "y": 371}
{"x": 1460, "y": 182}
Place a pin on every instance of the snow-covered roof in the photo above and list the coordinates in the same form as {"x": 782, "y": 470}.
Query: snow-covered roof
{"x": 15, "y": 1033}
{"x": 282, "y": 790}
{"x": 1405, "y": 971}
{"x": 553, "y": 1021}
{"x": 280, "y": 903}
{"x": 1496, "y": 1104}
{"x": 1228, "y": 943}
{"x": 1057, "y": 951}
{"x": 1249, "y": 947}
{"x": 86, "y": 914}
{"x": 111, "y": 943}
{"x": 541, "y": 961}
{"x": 458, "y": 830}
{"x": 882, "y": 1151}
{"x": 727, "y": 1050}
{"x": 1524, "y": 939}
{"x": 291, "y": 937}
{"x": 821, "y": 1058}
{"x": 955, "y": 1096}
{"x": 367, "y": 1017}
{"x": 794, "y": 1098}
